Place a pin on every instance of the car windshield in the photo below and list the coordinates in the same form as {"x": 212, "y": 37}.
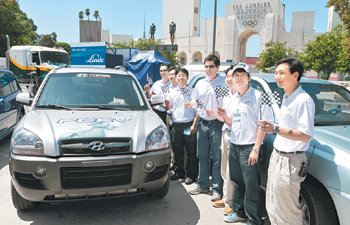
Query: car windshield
{"x": 54, "y": 57}
{"x": 332, "y": 102}
{"x": 91, "y": 90}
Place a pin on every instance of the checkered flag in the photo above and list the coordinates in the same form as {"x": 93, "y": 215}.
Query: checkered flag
{"x": 222, "y": 91}
{"x": 165, "y": 89}
{"x": 149, "y": 79}
{"x": 200, "y": 104}
{"x": 185, "y": 90}
{"x": 267, "y": 99}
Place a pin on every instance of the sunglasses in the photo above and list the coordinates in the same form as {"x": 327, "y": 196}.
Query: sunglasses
{"x": 163, "y": 70}
{"x": 209, "y": 66}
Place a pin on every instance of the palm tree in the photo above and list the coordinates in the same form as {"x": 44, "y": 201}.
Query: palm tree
{"x": 87, "y": 13}
{"x": 96, "y": 15}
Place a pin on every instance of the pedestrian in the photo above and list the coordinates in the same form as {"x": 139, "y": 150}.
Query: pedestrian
{"x": 206, "y": 96}
{"x": 225, "y": 146}
{"x": 160, "y": 87}
{"x": 246, "y": 138}
{"x": 294, "y": 133}
{"x": 183, "y": 130}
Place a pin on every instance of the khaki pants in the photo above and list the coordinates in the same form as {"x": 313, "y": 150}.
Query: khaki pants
{"x": 225, "y": 172}
{"x": 283, "y": 188}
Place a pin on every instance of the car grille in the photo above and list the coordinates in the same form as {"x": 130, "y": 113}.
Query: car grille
{"x": 28, "y": 181}
{"x": 92, "y": 177}
{"x": 100, "y": 146}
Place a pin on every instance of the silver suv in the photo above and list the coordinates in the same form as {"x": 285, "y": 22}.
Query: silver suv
{"x": 90, "y": 133}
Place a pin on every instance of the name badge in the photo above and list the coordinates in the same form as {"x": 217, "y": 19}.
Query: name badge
{"x": 187, "y": 132}
{"x": 236, "y": 117}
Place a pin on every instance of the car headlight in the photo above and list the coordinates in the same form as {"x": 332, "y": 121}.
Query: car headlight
{"x": 27, "y": 143}
{"x": 158, "y": 139}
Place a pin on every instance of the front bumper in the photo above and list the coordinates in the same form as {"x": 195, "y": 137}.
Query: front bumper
{"x": 70, "y": 178}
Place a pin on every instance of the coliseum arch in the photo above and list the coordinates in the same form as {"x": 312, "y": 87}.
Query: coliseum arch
{"x": 197, "y": 56}
{"x": 182, "y": 57}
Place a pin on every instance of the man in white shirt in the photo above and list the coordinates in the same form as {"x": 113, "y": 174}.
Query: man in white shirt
{"x": 183, "y": 130}
{"x": 206, "y": 96}
{"x": 294, "y": 133}
{"x": 160, "y": 87}
{"x": 242, "y": 115}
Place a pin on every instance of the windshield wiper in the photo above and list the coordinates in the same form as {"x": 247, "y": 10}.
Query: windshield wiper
{"x": 53, "y": 106}
{"x": 104, "y": 107}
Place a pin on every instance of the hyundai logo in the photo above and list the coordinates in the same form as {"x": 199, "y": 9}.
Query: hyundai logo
{"x": 97, "y": 145}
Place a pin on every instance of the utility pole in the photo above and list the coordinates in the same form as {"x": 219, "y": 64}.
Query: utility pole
{"x": 214, "y": 27}
{"x": 144, "y": 24}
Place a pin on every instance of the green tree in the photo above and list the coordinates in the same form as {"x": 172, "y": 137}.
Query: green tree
{"x": 64, "y": 45}
{"x": 87, "y": 13}
{"x": 342, "y": 7}
{"x": 15, "y": 23}
{"x": 143, "y": 45}
{"x": 48, "y": 40}
{"x": 274, "y": 52}
{"x": 323, "y": 54}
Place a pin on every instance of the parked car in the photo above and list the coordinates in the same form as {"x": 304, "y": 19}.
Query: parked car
{"x": 90, "y": 133}
{"x": 325, "y": 193}
{"x": 10, "y": 110}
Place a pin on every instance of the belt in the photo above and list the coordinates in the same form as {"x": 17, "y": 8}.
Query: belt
{"x": 209, "y": 121}
{"x": 289, "y": 153}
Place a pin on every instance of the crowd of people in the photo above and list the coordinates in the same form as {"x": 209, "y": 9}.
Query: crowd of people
{"x": 218, "y": 125}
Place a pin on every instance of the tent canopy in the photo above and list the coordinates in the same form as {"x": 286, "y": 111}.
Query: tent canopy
{"x": 146, "y": 62}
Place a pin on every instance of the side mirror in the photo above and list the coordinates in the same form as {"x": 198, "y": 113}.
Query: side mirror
{"x": 24, "y": 98}
{"x": 156, "y": 100}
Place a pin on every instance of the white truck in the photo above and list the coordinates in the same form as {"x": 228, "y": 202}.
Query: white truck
{"x": 24, "y": 59}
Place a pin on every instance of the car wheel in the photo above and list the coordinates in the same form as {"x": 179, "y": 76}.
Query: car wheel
{"x": 19, "y": 202}
{"x": 316, "y": 204}
{"x": 160, "y": 193}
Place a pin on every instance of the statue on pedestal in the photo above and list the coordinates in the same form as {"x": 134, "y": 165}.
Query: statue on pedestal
{"x": 172, "y": 30}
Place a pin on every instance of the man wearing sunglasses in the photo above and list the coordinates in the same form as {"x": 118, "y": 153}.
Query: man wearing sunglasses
{"x": 160, "y": 87}
{"x": 204, "y": 97}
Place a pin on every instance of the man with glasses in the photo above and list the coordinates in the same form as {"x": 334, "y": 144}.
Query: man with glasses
{"x": 206, "y": 97}
{"x": 246, "y": 138}
{"x": 160, "y": 87}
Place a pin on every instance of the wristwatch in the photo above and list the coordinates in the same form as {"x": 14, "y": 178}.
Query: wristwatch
{"x": 277, "y": 129}
{"x": 255, "y": 149}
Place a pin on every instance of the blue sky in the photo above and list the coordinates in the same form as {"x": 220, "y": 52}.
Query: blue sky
{"x": 127, "y": 17}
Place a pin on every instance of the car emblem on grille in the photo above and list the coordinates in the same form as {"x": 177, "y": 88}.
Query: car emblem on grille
{"x": 97, "y": 145}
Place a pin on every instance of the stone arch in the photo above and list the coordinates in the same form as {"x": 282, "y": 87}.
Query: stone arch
{"x": 197, "y": 57}
{"x": 242, "y": 43}
{"x": 182, "y": 57}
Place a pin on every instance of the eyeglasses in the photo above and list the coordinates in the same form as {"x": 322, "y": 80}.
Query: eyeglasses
{"x": 240, "y": 75}
{"x": 209, "y": 66}
{"x": 163, "y": 70}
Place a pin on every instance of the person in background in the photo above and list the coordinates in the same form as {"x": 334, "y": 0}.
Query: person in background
{"x": 183, "y": 130}
{"x": 160, "y": 87}
{"x": 294, "y": 133}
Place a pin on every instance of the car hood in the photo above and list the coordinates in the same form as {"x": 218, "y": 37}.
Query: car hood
{"x": 54, "y": 125}
{"x": 337, "y": 137}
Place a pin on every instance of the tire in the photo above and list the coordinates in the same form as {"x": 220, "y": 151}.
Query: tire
{"x": 19, "y": 202}
{"x": 316, "y": 204}
{"x": 162, "y": 192}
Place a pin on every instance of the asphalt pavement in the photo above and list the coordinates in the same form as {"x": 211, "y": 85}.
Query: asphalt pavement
{"x": 177, "y": 208}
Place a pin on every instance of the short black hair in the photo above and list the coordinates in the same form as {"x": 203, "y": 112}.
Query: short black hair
{"x": 165, "y": 64}
{"x": 230, "y": 68}
{"x": 174, "y": 68}
{"x": 182, "y": 70}
{"x": 213, "y": 58}
{"x": 294, "y": 66}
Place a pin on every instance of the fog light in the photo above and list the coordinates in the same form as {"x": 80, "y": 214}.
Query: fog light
{"x": 149, "y": 165}
{"x": 40, "y": 171}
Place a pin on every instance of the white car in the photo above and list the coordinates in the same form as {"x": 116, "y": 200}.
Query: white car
{"x": 90, "y": 133}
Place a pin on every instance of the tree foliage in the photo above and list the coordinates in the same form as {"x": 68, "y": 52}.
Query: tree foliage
{"x": 143, "y": 45}
{"x": 48, "y": 40}
{"x": 64, "y": 45}
{"x": 342, "y": 7}
{"x": 326, "y": 54}
{"x": 274, "y": 52}
{"x": 15, "y": 23}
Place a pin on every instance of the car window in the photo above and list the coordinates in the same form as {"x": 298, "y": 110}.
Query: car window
{"x": 332, "y": 102}
{"x": 5, "y": 88}
{"x": 89, "y": 90}
{"x": 13, "y": 82}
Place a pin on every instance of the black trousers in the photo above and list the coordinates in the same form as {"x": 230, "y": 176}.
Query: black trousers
{"x": 181, "y": 140}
